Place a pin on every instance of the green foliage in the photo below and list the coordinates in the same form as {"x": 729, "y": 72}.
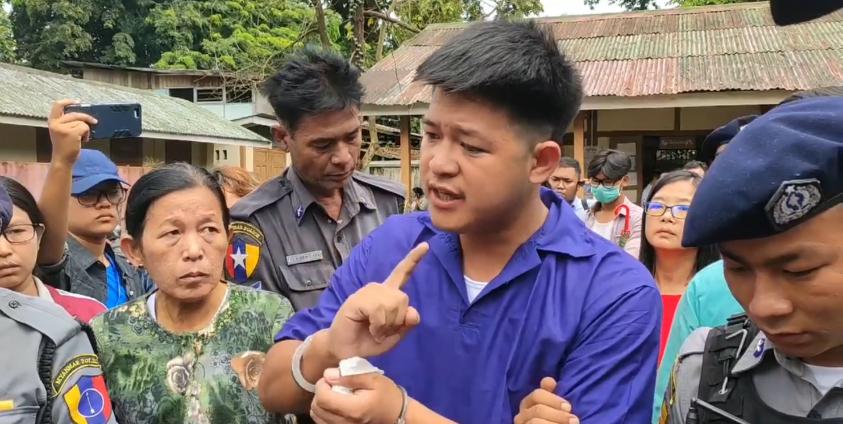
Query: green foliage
{"x": 7, "y": 39}
{"x": 243, "y": 35}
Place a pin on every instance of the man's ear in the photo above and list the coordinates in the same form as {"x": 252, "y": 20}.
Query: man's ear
{"x": 132, "y": 250}
{"x": 546, "y": 157}
{"x": 281, "y": 136}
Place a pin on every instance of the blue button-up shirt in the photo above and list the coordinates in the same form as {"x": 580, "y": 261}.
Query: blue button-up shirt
{"x": 568, "y": 305}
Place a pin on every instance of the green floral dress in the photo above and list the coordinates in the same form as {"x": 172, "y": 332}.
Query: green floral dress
{"x": 206, "y": 377}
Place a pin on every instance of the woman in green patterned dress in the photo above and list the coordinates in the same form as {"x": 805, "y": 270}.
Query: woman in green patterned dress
{"x": 192, "y": 351}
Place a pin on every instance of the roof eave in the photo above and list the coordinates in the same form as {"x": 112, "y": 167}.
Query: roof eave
{"x": 42, "y": 123}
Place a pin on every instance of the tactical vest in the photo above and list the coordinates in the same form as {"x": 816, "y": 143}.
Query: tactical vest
{"x": 727, "y": 399}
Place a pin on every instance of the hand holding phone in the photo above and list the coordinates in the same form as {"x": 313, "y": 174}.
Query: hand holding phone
{"x": 113, "y": 120}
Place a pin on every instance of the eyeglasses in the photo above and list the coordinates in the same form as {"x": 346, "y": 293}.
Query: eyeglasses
{"x": 22, "y": 233}
{"x": 92, "y": 198}
{"x": 658, "y": 209}
{"x": 604, "y": 183}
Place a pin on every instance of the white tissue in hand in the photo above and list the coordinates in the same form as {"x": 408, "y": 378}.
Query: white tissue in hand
{"x": 354, "y": 366}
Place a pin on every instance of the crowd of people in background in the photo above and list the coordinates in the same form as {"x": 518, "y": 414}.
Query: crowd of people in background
{"x": 520, "y": 286}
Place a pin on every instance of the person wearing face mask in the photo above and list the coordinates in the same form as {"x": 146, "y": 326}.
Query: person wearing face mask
{"x": 782, "y": 248}
{"x": 193, "y": 350}
{"x": 614, "y": 217}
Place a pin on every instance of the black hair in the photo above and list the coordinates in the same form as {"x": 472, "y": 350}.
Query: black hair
{"x": 694, "y": 164}
{"x": 22, "y": 198}
{"x": 418, "y": 191}
{"x": 647, "y": 255}
{"x": 614, "y": 164}
{"x": 569, "y": 162}
{"x": 312, "y": 81}
{"x": 161, "y": 182}
{"x": 514, "y": 65}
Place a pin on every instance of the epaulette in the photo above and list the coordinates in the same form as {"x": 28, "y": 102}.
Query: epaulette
{"x": 268, "y": 193}
{"x": 382, "y": 183}
{"x": 47, "y": 318}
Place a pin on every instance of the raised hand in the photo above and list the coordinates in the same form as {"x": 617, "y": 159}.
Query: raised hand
{"x": 68, "y": 132}
{"x": 375, "y": 318}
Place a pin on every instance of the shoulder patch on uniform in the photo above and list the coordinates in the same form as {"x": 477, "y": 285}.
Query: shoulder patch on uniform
{"x": 244, "y": 252}
{"x": 381, "y": 183}
{"x": 88, "y": 402}
{"x": 74, "y": 364}
{"x": 268, "y": 193}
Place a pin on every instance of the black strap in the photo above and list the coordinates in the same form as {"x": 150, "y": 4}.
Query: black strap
{"x": 584, "y": 203}
{"x": 89, "y": 332}
{"x": 45, "y": 373}
{"x": 723, "y": 348}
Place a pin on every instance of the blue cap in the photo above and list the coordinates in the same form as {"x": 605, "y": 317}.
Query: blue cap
{"x": 779, "y": 171}
{"x": 5, "y": 209}
{"x": 723, "y": 135}
{"x": 92, "y": 168}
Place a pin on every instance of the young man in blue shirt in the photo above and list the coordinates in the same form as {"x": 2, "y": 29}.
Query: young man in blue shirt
{"x": 503, "y": 288}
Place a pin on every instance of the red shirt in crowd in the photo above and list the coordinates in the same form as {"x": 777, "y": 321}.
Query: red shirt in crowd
{"x": 83, "y": 308}
{"x": 669, "y": 304}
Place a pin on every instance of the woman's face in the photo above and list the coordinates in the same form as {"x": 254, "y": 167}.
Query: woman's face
{"x": 183, "y": 243}
{"x": 665, "y": 231}
{"x": 17, "y": 260}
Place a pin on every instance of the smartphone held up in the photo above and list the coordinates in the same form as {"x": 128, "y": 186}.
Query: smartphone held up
{"x": 114, "y": 120}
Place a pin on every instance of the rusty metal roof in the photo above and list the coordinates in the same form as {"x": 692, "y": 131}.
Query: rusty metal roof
{"x": 673, "y": 51}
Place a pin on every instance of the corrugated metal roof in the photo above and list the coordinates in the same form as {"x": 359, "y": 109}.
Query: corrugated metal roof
{"x": 717, "y": 48}
{"x": 29, "y": 93}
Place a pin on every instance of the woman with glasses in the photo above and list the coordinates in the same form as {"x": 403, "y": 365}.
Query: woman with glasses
{"x": 193, "y": 350}
{"x": 662, "y": 253}
{"x": 19, "y": 247}
{"x": 81, "y": 200}
{"x": 614, "y": 217}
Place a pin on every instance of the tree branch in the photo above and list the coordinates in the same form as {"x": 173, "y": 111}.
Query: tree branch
{"x": 383, "y": 17}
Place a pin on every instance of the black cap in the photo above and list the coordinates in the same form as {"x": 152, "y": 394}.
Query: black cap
{"x": 779, "y": 171}
{"x": 721, "y": 136}
{"x": 786, "y": 12}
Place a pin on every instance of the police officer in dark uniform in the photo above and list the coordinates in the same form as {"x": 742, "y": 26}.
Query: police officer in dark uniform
{"x": 290, "y": 234}
{"x": 50, "y": 372}
{"x": 772, "y": 203}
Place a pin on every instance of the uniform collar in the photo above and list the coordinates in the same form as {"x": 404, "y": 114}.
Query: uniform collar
{"x": 562, "y": 232}
{"x": 354, "y": 195}
{"x": 762, "y": 348}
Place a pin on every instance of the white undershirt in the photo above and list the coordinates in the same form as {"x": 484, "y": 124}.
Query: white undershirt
{"x": 605, "y": 230}
{"x": 473, "y": 288}
{"x": 826, "y": 378}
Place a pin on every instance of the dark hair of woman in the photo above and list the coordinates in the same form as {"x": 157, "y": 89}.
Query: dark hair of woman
{"x": 161, "y": 182}
{"x": 22, "y": 198}
{"x": 705, "y": 255}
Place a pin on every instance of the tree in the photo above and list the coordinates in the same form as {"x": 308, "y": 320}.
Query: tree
{"x": 190, "y": 34}
{"x": 653, "y": 4}
{"x": 107, "y": 31}
{"x": 7, "y": 39}
{"x": 249, "y": 36}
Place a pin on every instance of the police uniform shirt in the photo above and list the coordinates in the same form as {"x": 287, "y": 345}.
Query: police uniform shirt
{"x": 569, "y": 304}
{"x": 283, "y": 241}
{"x": 784, "y": 384}
{"x": 75, "y": 389}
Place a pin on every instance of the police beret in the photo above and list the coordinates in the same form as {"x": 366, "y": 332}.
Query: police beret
{"x": 5, "y": 209}
{"x": 723, "y": 135}
{"x": 782, "y": 169}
